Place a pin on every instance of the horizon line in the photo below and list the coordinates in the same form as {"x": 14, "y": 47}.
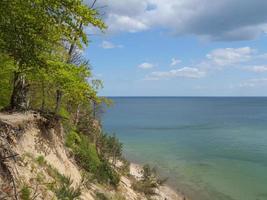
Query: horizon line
{"x": 181, "y": 96}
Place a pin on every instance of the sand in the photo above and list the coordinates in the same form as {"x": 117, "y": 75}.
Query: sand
{"x": 164, "y": 192}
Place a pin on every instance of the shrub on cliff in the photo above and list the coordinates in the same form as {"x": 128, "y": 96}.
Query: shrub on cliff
{"x": 110, "y": 147}
{"x": 72, "y": 139}
{"x": 87, "y": 158}
{"x": 106, "y": 174}
{"x": 149, "y": 181}
{"x": 86, "y": 155}
{"x": 66, "y": 191}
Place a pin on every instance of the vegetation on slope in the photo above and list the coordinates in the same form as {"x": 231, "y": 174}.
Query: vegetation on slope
{"x": 42, "y": 68}
{"x": 149, "y": 181}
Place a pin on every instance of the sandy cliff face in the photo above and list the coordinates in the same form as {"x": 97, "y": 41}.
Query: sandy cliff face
{"x": 32, "y": 154}
{"x": 33, "y": 140}
{"x": 28, "y": 137}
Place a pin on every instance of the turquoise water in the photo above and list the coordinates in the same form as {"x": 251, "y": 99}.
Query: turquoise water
{"x": 210, "y": 148}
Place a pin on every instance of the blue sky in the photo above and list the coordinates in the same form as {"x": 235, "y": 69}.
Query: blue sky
{"x": 181, "y": 48}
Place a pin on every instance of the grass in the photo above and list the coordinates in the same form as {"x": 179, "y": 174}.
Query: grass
{"x": 61, "y": 186}
{"x": 40, "y": 160}
{"x": 101, "y": 196}
{"x": 25, "y": 193}
{"x": 87, "y": 158}
{"x": 65, "y": 191}
{"x": 86, "y": 155}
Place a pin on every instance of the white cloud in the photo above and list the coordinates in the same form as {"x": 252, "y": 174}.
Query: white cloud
{"x": 186, "y": 72}
{"x": 109, "y": 45}
{"x": 146, "y": 65}
{"x": 175, "y": 62}
{"x": 216, "y": 59}
{"x": 117, "y": 23}
{"x": 262, "y": 56}
{"x": 230, "y": 56}
{"x": 223, "y": 20}
{"x": 256, "y": 82}
{"x": 257, "y": 68}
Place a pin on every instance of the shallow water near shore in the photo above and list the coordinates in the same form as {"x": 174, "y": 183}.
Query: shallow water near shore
{"x": 210, "y": 148}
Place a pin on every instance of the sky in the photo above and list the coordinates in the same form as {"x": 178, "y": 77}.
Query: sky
{"x": 181, "y": 48}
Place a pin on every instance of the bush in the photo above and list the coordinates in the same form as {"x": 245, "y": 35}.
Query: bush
{"x": 65, "y": 191}
{"x": 40, "y": 160}
{"x": 111, "y": 148}
{"x": 149, "y": 181}
{"x": 125, "y": 167}
{"x": 72, "y": 139}
{"x": 101, "y": 196}
{"x": 87, "y": 158}
{"x": 88, "y": 179}
{"x": 62, "y": 186}
{"x": 106, "y": 174}
{"x": 64, "y": 113}
{"x": 86, "y": 155}
{"x": 25, "y": 193}
{"x": 146, "y": 187}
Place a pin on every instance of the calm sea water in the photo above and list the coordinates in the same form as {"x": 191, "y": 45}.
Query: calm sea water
{"x": 210, "y": 148}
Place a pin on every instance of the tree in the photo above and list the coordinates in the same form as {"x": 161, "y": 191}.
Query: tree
{"x": 32, "y": 30}
{"x": 6, "y": 68}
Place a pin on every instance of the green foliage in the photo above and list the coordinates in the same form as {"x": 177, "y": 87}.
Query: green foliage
{"x": 62, "y": 186}
{"x": 72, "y": 139}
{"x": 87, "y": 179}
{"x": 146, "y": 187}
{"x": 101, "y": 196}
{"x": 65, "y": 191}
{"x": 6, "y": 76}
{"x": 125, "y": 167}
{"x": 110, "y": 147}
{"x": 148, "y": 173}
{"x": 25, "y": 193}
{"x": 69, "y": 79}
{"x": 39, "y": 39}
{"x": 64, "y": 113}
{"x": 53, "y": 172}
{"x": 106, "y": 174}
{"x": 32, "y": 28}
{"x": 40, "y": 177}
{"x": 86, "y": 155}
{"x": 149, "y": 182}
{"x": 40, "y": 160}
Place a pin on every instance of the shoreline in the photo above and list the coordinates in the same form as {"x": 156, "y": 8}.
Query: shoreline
{"x": 164, "y": 192}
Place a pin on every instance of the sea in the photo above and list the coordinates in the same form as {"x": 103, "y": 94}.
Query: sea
{"x": 210, "y": 148}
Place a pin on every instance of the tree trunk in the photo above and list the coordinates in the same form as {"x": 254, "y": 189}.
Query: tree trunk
{"x": 20, "y": 90}
{"x": 76, "y": 120}
{"x": 58, "y": 101}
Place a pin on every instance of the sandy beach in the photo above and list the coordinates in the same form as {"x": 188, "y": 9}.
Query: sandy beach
{"x": 164, "y": 192}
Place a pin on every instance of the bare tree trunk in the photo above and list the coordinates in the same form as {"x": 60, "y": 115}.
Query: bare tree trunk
{"x": 76, "y": 120}
{"x": 20, "y": 90}
{"x": 58, "y": 101}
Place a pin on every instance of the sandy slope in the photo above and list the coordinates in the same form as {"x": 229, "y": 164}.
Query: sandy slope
{"x": 49, "y": 144}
